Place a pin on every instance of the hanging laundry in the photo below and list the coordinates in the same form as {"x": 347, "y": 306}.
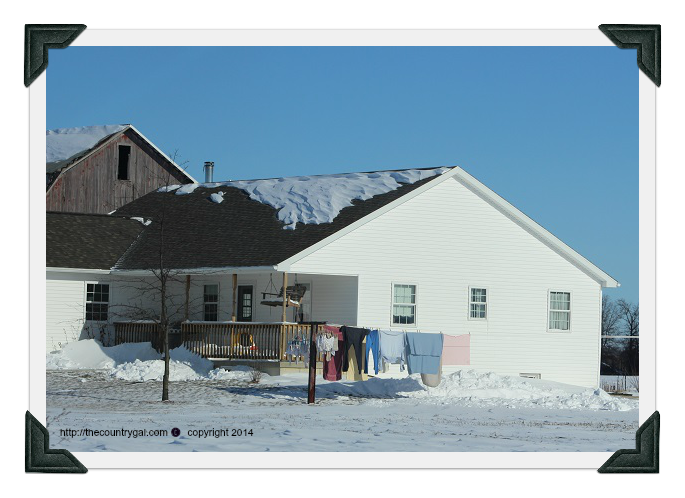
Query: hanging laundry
{"x": 354, "y": 336}
{"x": 372, "y": 348}
{"x": 456, "y": 350}
{"x": 392, "y": 346}
{"x": 332, "y": 340}
{"x": 326, "y": 342}
{"x": 298, "y": 346}
{"x": 423, "y": 352}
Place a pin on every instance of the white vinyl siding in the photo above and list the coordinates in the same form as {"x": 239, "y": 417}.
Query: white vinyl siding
{"x": 460, "y": 240}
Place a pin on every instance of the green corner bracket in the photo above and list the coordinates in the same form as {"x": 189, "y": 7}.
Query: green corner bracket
{"x": 644, "y": 459}
{"x": 40, "y": 457}
{"x": 646, "y": 38}
{"x": 38, "y": 38}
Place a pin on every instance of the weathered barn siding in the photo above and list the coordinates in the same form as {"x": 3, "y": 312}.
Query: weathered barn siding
{"x": 447, "y": 239}
{"x": 91, "y": 185}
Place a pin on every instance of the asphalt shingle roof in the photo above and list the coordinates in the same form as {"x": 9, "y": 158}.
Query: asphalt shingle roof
{"x": 238, "y": 232}
{"x": 91, "y": 241}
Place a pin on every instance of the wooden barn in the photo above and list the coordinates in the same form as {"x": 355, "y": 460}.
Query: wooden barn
{"x": 98, "y": 169}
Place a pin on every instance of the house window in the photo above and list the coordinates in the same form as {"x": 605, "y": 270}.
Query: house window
{"x": 478, "y": 303}
{"x": 211, "y": 303}
{"x": 245, "y": 302}
{"x": 559, "y": 311}
{"x": 404, "y": 304}
{"x": 97, "y": 302}
{"x": 124, "y": 157}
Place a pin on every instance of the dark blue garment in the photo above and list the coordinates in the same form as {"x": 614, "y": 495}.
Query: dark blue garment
{"x": 353, "y": 336}
{"x": 423, "y": 352}
{"x": 373, "y": 345}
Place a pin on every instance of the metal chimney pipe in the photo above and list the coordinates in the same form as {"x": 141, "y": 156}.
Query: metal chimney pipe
{"x": 209, "y": 171}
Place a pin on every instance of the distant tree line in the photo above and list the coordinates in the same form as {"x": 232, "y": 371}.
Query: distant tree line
{"x": 620, "y": 356}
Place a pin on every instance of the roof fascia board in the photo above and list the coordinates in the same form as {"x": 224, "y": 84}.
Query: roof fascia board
{"x": 162, "y": 153}
{"x": 286, "y": 264}
{"x": 534, "y": 229}
{"x": 225, "y": 270}
{"x": 57, "y": 269}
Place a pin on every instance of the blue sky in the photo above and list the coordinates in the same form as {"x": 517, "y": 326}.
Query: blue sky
{"x": 554, "y": 130}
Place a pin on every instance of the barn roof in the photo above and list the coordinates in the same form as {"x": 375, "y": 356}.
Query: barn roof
{"x": 90, "y": 241}
{"x": 67, "y": 146}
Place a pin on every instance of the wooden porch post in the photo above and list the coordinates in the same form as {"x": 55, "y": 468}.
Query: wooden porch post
{"x": 235, "y": 297}
{"x": 187, "y": 311}
{"x": 285, "y": 295}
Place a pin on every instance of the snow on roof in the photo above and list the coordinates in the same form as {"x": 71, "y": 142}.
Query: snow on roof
{"x": 64, "y": 143}
{"x": 318, "y": 199}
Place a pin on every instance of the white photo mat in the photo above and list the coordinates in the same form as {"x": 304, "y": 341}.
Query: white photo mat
{"x": 163, "y": 37}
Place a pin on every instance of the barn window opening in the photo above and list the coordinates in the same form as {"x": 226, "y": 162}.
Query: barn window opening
{"x": 124, "y": 157}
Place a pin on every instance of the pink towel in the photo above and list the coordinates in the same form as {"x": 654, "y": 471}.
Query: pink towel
{"x": 456, "y": 350}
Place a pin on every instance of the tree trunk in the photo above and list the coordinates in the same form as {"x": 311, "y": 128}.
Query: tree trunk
{"x": 165, "y": 379}
{"x": 163, "y": 322}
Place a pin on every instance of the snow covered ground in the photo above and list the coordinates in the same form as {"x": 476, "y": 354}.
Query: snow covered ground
{"x": 623, "y": 384}
{"x": 468, "y": 411}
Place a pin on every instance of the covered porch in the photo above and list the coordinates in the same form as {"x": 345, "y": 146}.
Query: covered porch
{"x": 248, "y": 315}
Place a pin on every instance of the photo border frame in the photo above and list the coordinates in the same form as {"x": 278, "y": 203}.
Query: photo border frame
{"x": 156, "y": 37}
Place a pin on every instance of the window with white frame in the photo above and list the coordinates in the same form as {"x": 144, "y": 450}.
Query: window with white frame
{"x": 478, "y": 303}
{"x": 403, "y": 304}
{"x": 97, "y": 302}
{"x": 559, "y": 310}
{"x": 211, "y": 303}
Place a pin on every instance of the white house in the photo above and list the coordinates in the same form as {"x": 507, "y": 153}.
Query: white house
{"x": 427, "y": 250}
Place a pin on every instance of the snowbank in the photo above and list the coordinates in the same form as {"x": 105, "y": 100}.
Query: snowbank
{"x": 484, "y": 389}
{"x": 489, "y": 389}
{"x": 238, "y": 372}
{"x": 139, "y": 362}
{"x": 90, "y": 354}
{"x": 318, "y": 199}
{"x": 63, "y": 143}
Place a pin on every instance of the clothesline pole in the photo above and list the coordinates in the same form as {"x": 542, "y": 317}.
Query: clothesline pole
{"x": 311, "y": 385}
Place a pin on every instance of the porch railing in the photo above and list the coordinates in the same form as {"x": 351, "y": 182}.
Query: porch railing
{"x": 138, "y": 331}
{"x": 225, "y": 340}
{"x": 234, "y": 340}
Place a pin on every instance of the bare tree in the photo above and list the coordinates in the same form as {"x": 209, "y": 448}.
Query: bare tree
{"x": 611, "y": 318}
{"x": 630, "y": 318}
{"x": 159, "y": 285}
{"x": 630, "y": 314}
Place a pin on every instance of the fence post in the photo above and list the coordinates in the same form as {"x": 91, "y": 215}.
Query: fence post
{"x": 311, "y": 385}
